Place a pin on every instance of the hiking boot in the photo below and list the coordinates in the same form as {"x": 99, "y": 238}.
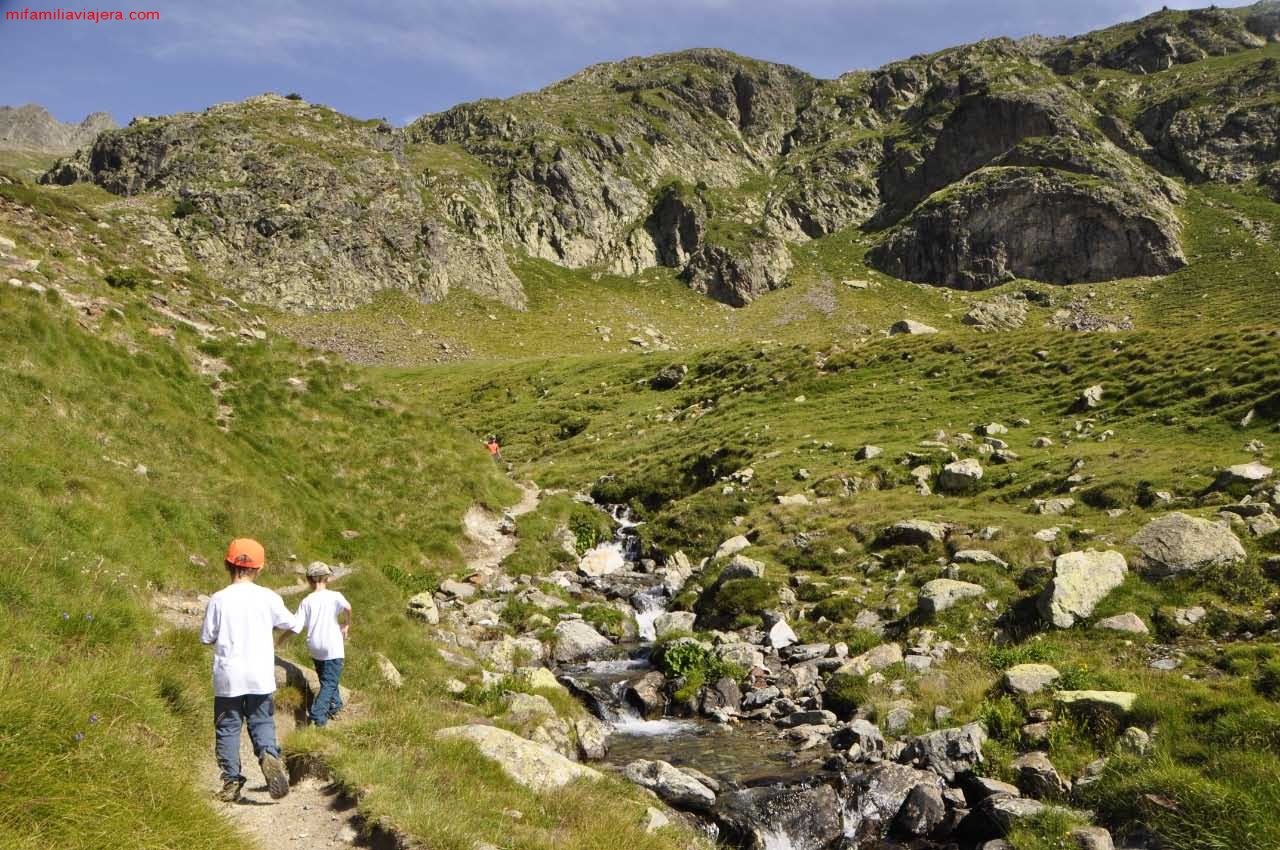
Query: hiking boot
{"x": 230, "y": 792}
{"x": 277, "y": 776}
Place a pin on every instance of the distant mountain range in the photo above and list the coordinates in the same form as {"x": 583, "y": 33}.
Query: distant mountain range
{"x": 32, "y": 126}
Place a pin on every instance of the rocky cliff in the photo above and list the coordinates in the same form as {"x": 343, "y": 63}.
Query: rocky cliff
{"x": 1051, "y": 159}
{"x": 32, "y": 126}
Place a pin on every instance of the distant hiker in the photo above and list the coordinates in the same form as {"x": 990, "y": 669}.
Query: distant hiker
{"x": 238, "y": 622}
{"x": 320, "y": 615}
{"x": 495, "y": 450}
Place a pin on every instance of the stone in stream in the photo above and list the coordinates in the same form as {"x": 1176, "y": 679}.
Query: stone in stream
{"x": 576, "y": 640}
{"x": 817, "y": 717}
{"x": 922, "y": 812}
{"x": 526, "y": 763}
{"x": 648, "y": 694}
{"x": 723, "y": 696}
{"x": 1176, "y": 543}
{"x": 1081, "y": 580}
{"x": 875, "y": 796}
{"x": 672, "y": 785}
{"x": 674, "y": 621}
{"x": 767, "y": 817}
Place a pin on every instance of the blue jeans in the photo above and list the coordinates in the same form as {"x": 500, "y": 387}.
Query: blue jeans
{"x": 230, "y": 715}
{"x": 329, "y": 701}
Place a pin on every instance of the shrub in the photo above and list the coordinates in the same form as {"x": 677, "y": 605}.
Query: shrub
{"x": 185, "y": 207}
{"x": 124, "y": 277}
{"x": 1106, "y": 496}
{"x": 837, "y": 609}
{"x": 1268, "y": 681}
{"x": 605, "y": 619}
{"x": 1239, "y": 582}
{"x": 293, "y": 95}
{"x": 845, "y": 692}
{"x": 740, "y": 597}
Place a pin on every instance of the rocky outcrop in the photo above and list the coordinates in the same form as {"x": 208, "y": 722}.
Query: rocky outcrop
{"x": 1009, "y": 223}
{"x": 303, "y": 208}
{"x": 32, "y": 127}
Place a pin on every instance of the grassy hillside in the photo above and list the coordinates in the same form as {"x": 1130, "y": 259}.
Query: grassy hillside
{"x": 141, "y": 430}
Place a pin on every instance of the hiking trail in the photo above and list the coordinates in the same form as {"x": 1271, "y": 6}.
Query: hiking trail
{"x": 492, "y": 536}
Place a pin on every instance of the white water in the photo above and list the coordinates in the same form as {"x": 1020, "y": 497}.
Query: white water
{"x": 634, "y": 724}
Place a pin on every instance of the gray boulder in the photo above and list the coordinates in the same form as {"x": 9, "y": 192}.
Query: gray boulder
{"x": 942, "y": 593}
{"x": 961, "y": 476}
{"x": 1037, "y": 777}
{"x": 911, "y": 327}
{"x": 1242, "y": 475}
{"x": 576, "y": 640}
{"x": 1081, "y": 580}
{"x": 525, "y": 762}
{"x": 978, "y": 556}
{"x": 922, "y": 812}
{"x": 1176, "y": 543}
{"x": 876, "y": 796}
{"x": 876, "y": 658}
{"x": 422, "y": 606}
{"x": 1128, "y": 622}
{"x": 913, "y": 532}
{"x": 947, "y": 752}
{"x": 1027, "y": 679}
{"x": 672, "y": 785}
{"x": 758, "y": 818}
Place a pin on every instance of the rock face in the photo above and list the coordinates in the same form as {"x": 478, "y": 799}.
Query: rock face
{"x": 32, "y": 127}
{"x": 1021, "y": 223}
{"x": 526, "y": 763}
{"x": 1176, "y": 543}
{"x": 974, "y": 166}
{"x": 1081, "y": 580}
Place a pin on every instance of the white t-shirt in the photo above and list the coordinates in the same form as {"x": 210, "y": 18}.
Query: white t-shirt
{"x": 318, "y": 614}
{"x": 239, "y": 622}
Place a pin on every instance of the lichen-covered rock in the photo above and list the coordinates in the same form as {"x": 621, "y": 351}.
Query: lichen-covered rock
{"x": 675, "y": 787}
{"x": 525, "y": 762}
{"x": 1027, "y": 679}
{"x": 1080, "y": 581}
{"x": 1176, "y": 543}
{"x": 942, "y": 593}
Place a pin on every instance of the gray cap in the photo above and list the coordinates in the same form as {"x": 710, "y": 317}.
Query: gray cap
{"x": 319, "y": 569}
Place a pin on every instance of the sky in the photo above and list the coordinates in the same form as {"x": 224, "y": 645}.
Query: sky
{"x": 397, "y": 59}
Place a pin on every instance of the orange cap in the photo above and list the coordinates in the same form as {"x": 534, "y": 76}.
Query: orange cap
{"x": 244, "y": 552}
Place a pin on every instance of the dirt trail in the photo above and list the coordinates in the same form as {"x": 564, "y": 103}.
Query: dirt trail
{"x": 314, "y": 816}
{"x": 492, "y": 537}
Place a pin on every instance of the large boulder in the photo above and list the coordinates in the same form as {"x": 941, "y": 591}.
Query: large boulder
{"x": 947, "y": 752}
{"x": 1081, "y": 580}
{"x": 769, "y": 817}
{"x": 942, "y": 593}
{"x": 525, "y": 762}
{"x": 911, "y": 327}
{"x": 1176, "y": 543}
{"x": 576, "y": 640}
{"x": 913, "y": 532}
{"x": 675, "y": 787}
{"x": 1037, "y": 777}
{"x": 876, "y": 796}
{"x": 603, "y": 560}
{"x": 961, "y": 476}
{"x": 922, "y": 812}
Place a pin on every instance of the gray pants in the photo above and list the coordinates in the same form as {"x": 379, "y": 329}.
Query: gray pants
{"x": 230, "y": 714}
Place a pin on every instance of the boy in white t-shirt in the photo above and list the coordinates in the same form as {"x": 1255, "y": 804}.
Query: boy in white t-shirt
{"x": 321, "y": 614}
{"x": 238, "y": 624}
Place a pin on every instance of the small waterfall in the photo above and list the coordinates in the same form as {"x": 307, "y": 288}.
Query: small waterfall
{"x": 650, "y": 605}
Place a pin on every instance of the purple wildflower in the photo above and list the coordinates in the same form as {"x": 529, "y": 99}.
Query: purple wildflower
{"x": 93, "y": 718}
{"x": 79, "y": 736}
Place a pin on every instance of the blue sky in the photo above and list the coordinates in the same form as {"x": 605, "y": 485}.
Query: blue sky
{"x": 400, "y": 58}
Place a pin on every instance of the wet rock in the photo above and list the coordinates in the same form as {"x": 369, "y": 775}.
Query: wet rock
{"x": 578, "y": 641}
{"x": 818, "y": 717}
{"x": 525, "y": 762}
{"x": 648, "y": 694}
{"x": 922, "y": 812}
{"x": 672, "y": 785}
{"x": 1029, "y": 679}
{"x": 876, "y": 795}
{"x": 1081, "y": 580}
{"x": 723, "y": 696}
{"x": 942, "y": 593}
{"x": 947, "y": 752}
{"x": 759, "y": 818}
{"x": 1176, "y": 543}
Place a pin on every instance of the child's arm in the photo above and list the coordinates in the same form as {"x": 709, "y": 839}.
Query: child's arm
{"x": 345, "y": 621}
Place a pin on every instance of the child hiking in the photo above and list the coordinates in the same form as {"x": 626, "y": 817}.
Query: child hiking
{"x": 238, "y": 623}
{"x": 320, "y": 615}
